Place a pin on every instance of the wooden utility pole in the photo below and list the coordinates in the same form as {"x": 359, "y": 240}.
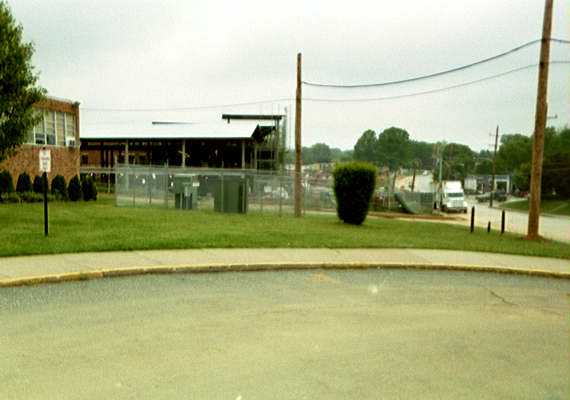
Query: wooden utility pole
{"x": 539, "y": 125}
{"x": 493, "y": 176}
{"x": 298, "y": 105}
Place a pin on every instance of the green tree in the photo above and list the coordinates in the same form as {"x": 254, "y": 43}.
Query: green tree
{"x": 366, "y": 147}
{"x": 306, "y": 156}
{"x": 515, "y": 151}
{"x": 458, "y": 161}
{"x": 423, "y": 152}
{"x": 18, "y": 89}
{"x": 321, "y": 153}
{"x": 394, "y": 149}
{"x": 339, "y": 155}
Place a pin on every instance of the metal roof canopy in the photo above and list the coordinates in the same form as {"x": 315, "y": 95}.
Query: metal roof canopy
{"x": 242, "y": 130}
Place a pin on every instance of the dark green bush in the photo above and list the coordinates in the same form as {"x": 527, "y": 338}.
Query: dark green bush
{"x": 24, "y": 183}
{"x": 6, "y": 183}
{"x": 353, "y": 187}
{"x": 74, "y": 189}
{"x": 88, "y": 188}
{"x": 38, "y": 184}
{"x": 58, "y": 187}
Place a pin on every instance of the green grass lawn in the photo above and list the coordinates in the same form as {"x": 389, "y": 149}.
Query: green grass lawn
{"x": 548, "y": 206}
{"x": 100, "y": 226}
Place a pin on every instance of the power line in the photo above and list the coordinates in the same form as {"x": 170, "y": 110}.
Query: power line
{"x": 440, "y": 73}
{"x": 289, "y": 99}
{"x": 369, "y": 99}
{"x": 189, "y": 108}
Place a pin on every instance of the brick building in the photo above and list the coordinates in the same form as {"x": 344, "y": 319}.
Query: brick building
{"x": 58, "y": 131}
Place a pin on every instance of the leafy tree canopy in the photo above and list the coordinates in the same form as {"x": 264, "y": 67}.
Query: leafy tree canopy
{"x": 18, "y": 90}
{"x": 394, "y": 149}
{"x": 366, "y": 148}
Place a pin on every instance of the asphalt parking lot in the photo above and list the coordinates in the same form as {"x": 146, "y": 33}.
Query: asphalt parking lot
{"x": 374, "y": 334}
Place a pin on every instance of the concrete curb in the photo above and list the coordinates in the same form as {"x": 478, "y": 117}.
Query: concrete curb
{"x": 251, "y": 267}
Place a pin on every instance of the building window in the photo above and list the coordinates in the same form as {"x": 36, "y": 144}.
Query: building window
{"x": 60, "y": 128}
{"x": 70, "y": 131}
{"x": 49, "y": 123}
{"x": 84, "y": 159}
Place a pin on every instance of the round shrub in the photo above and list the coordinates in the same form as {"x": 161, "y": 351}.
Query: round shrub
{"x": 6, "y": 183}
{"x": 74, "y": 189}
{"x": 88, "y": 188}
{"x": 24, "y": 183}
{"x": 58, "y": 186}
{"x": 353, "y": 187}
{"x": 38, "y": 184}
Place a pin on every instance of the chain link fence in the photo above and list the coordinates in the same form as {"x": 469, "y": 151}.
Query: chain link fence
{"x": 221, "y": 190}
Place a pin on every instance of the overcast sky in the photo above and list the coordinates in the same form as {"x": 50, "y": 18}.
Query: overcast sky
{"x": 170, "y": 54}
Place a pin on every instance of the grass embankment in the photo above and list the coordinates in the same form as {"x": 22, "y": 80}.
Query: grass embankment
{"x": 100, "y": 226}
{"x": 547, "y": 206}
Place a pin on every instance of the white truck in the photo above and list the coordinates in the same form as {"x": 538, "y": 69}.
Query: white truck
{"x": 451, "y": 197}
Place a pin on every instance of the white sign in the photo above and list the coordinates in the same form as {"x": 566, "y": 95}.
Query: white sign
{"x": 45, "y": 160}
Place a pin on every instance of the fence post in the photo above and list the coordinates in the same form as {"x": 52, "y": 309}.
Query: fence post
{"x": 489, "y": 227}
{"x": 472, "y": 219}
{"x": 280, "y": 193}
{"x": 502, "y": 222}
{"x": 133, "y": 186}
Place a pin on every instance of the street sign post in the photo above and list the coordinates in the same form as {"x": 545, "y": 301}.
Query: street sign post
{"x": 45, "y": 167}
{"x": 45, "y": 160}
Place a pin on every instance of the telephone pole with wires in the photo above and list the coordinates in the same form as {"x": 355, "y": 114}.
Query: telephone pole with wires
{"x": 298, "y": 109}
{"x": 539, "y": 126}
{"x": 494, "y": 168}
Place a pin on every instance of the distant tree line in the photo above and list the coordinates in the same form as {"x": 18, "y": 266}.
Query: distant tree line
{"x": 394, "y": 149}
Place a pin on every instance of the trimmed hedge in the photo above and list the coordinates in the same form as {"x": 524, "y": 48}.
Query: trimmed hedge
{"x": 74, "y": 189}
{"x": 24, "y": 183}
{"x": 58, "y": 187}
{"x": 353, "y": 188}
{"x": 88, "y": 188}
{"x": 6, "y": 183}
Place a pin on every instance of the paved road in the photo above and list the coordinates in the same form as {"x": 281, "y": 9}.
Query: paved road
{"x": 372, "y": 334}
{"x": 552, "y": 227}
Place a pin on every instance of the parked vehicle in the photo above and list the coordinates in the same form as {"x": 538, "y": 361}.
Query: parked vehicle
{"x": 451, "y": 197}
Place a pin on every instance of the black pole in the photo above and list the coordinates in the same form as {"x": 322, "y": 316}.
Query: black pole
{"x": 472, "y": 219}
{"x": 44, "y": 178}
{"x": 503, "y": 222}
{"x": 489, "y": 227}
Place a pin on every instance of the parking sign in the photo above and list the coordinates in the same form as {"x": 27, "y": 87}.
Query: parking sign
{"x": 45, "y": 160}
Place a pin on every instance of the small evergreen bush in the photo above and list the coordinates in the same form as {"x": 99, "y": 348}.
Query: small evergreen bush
{"x": 24, "y": 183}
{"x": 58, "y": 187}
{"x": 88, "y": 188}
{"x": 6, "y": 183}
{"x": 353, "y": 188}
{"x": 38, "y": 184}
{"x": 74, "y": 189}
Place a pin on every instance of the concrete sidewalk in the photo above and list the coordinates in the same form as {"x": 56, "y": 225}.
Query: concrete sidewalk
{"x": 16, "y": 271}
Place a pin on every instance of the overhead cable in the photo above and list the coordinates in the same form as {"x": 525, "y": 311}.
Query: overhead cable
{"x": 430, "y": 91}
{"x": 433, "y": 75}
